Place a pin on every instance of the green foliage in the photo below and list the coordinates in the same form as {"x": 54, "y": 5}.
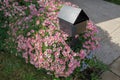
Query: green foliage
{"x": 3, "y": 31}
{"x": 95, "y": 63}
{"x": 114, "y": 1}
{"x": 3, "y": 35}
{"x": 76, "y": 43}
{"x": 95, "y": 77}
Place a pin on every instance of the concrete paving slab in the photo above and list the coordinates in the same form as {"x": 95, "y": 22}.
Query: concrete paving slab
{"x": 115, "y": 67}
{"x": 102, "y": 34}
{"x": 109, "y": 26}
{"x": 115, "y": 36}
{"x": 108, "y": 51}
{"x": 118, "y": 19}
{"x": 109, "y": 76}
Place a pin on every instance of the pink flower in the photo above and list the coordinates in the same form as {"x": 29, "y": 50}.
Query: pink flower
{"x": 49, "y": 51}
{"x": 76, "y": 36}
{"x": 32, "y": 31}
{"x": 82, "y": 54}
{"x": 28, "y": 34}
{"x": 37, "y": 22}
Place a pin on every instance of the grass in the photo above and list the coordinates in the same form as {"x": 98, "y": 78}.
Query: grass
{"x": 14, "y": 68}
{"x": 114, "y": 1}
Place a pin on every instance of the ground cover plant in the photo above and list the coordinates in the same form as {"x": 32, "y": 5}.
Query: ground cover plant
{"x": 114, "y": 1}
{"x": 30, "y": 30}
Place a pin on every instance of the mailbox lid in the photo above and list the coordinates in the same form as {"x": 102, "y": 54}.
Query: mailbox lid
{"x": 69, "y": 13}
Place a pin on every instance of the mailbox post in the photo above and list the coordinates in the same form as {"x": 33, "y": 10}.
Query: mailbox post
{"x": 72, "y": 20}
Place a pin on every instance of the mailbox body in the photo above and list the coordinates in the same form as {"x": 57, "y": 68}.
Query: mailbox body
{"x": 72, "y": 20}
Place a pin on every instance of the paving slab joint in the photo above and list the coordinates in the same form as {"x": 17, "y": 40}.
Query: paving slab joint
{"x": 114, "y": 73}
{"x": 115, "y": 30}
{"x": 114, "y": 61}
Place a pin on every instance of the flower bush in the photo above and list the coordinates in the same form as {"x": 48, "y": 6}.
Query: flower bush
{"x": 34, "y": 29}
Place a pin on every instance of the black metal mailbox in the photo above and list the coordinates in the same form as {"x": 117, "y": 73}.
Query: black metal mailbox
{"x": 72, "y": 20}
